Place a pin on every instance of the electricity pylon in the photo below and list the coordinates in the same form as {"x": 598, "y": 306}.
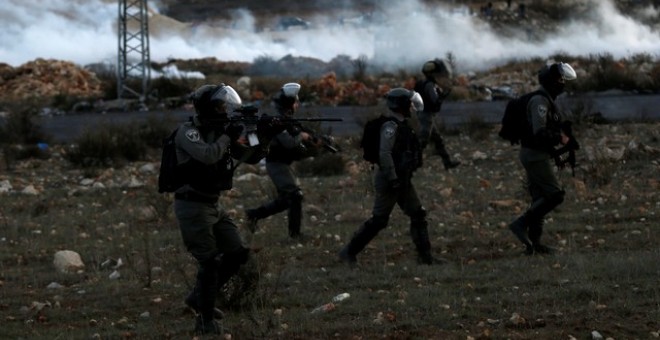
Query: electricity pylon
{"x": 133, "y": 62}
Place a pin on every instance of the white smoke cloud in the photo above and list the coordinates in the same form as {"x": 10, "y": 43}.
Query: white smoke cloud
{"x": 85, "y": 32}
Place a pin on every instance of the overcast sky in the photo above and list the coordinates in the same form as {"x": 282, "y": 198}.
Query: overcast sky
{"x": 84, "y": 31}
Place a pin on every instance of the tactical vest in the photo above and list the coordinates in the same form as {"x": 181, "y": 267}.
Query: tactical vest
{"x": 278, "y": 153}
{"x": 209, "y": 178}
{"x": 429, "y": 105}
{"x": 407, "y": 152}
{"x": 543, "y": 141}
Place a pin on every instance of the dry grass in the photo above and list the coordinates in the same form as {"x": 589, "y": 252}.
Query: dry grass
{"x": 604, "y": 278}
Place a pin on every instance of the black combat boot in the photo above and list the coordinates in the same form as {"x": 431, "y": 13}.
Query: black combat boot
{"x": 441, "y": 151}
{"x": 192, "y": 303}
{"x": 535, "y": 232}
{"x": 534, "y": 219}
{"x": 420, "y": 236}
{"x": 271, "y": 208}
{"x": 519, "y": 228}
{"x": 446, "y": 160}
{"x": 346, "y": 257}
{"x": 361, "y": 238}
{"x": 295, "y": 219}
{"x": 207, "y": 326}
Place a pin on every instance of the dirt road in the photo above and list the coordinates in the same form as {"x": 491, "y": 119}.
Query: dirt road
{"x": 613, "y": 107}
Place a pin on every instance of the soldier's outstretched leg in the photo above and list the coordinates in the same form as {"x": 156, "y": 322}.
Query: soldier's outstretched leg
{"x": 419, "y": 233}
{"x": 229, "y": 264}
{"x": 278, "y": 205}
{"x": 207, "y": 284}
{"x": 295, "y": 213}
{"x": 529, "y": 227}
{"x": 441, "y": 150}
{"x": 361, "y": 238}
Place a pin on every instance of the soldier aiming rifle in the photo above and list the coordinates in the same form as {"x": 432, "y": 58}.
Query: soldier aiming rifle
{"x": 291, "y": 142}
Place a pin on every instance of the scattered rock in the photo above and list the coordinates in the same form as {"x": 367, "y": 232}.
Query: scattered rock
{"x": 68, "y": 261}
{"x": 479, "y": 155}
{"x": 114, "y": 275}
{"x": 54, "y": 285}
{"x": 30, "y": 190}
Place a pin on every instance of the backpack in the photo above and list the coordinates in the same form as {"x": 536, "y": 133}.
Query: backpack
{"x": 168, "y": 177}
{"x": 370, "y": 142}
{"x": 514, "y": 121}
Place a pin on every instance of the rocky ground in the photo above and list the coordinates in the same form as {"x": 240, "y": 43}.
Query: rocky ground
{"x": 133, "y": 266}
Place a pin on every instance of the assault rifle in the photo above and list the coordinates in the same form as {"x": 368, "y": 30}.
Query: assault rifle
{"x": 570, "y": 148}
{"x": 326, "y": 141}
{"x": 264, "y": 125}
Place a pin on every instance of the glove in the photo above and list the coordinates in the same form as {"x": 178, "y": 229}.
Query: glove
{"x": 442, "y": 94}
{"x": 293, "y": 130}
{"x": 234, "y": 131}
{"x": 269, "y": 128}
{"x": 395, "y": 184}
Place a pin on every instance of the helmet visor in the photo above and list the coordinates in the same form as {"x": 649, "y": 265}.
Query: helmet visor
{"x": 291, "y": 89}
{"x": 566, "y": 72}
{"x": 416, "y": 101}
{"x": 228, "y": 96}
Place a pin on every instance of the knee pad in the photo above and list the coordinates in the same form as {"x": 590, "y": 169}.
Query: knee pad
{"x": 295, "y": 197}
{"x": 556, "y": 197}
{"x": 419, "y": 215}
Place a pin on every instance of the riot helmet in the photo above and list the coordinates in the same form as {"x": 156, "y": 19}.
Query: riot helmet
{"x": 399, "y": 100}
{"x": 211, "y": 101}
{"x": 436, "y": 68}
{"x": 286, "y": 99}
{"x": 553, "y": 77}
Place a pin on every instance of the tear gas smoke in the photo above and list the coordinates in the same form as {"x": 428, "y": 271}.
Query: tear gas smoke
{"x": 399, "y": 35}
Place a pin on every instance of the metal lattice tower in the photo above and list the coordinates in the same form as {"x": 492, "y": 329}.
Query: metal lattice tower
{"x": 133, "y": 63}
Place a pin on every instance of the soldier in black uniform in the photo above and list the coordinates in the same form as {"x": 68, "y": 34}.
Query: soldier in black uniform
{"x": 205, "y": 162}
{"x": 399, "y": 156}
{"x": 434, "y": 88}
{"x": 288, "y": 146}
{"x": 536, "y": 155}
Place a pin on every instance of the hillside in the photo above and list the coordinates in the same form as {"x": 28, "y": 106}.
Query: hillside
{"x": 351, "y": 52}
{"x": 543, "y": 14}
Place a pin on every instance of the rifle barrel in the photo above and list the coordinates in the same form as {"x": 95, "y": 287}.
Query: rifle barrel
{"x": 310, "y": 119}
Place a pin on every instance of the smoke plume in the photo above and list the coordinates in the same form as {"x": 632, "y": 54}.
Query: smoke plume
{"x": 399, "y": 35}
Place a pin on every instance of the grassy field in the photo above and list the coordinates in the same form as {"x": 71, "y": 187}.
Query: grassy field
{"x": 605, "y": 277}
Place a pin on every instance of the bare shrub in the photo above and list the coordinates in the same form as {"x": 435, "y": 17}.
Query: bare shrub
{"x": 360, "y": 68}
{"x": 20, "y": 126}
{"x": 163, "y": 87}
{"x": 655, "y": 77}
{"x": 109, "y": 145}
{"x": 599, "y": 172}
{"x": 579, "y": 111}
{"x": 20, "y": 136}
